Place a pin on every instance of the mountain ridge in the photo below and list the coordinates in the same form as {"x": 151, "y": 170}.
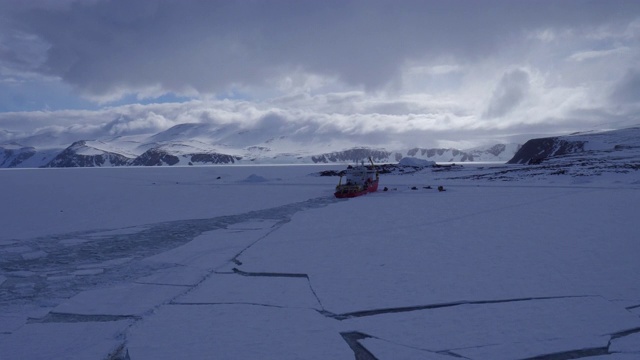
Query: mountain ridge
{"x": 540, "y": 150}
{"x": 185, "y": 145}
{"x": 82, "y": 153}
{"x": 206, "y": 144}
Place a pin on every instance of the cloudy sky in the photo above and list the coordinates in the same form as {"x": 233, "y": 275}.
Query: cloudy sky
{"x": 383, "y": 72}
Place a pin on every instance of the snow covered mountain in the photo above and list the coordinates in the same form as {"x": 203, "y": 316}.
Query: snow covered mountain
{"x": 12, "y": 154}
{"x": 100, "y": 154}
{"x": 193, "y": 144}
{"x": 353, "y": 155}
{"x": 88, "y": 154}
{"x": 579, "y": 156}
{"x": 615, "y": 144}
{"x": 92, "y": 154}
{"x": 181, "y": 154}
{"x": 498, "y": 152}
{"x": 205, "y": 144}
{"x": 198, "y": 144}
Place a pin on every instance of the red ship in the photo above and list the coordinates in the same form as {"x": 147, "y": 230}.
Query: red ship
{"x": 360, "y": 180}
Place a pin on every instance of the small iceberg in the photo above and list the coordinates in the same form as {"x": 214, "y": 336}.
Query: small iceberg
{"x": 411, "y": 161}
{"x": 253, "y": 178}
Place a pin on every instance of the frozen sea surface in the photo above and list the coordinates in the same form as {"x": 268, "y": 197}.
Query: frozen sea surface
{"x": 208, "y": 263}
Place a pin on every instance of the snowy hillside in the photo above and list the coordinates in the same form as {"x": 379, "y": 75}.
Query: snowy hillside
{"x": 592, "y": 144}
{"x": 12, "y": 155}
{"x": 498, "y": 152}
{"x": 89, "y": 154}
{"x": 206, "y": 144}
{"x": 97, "y": 153}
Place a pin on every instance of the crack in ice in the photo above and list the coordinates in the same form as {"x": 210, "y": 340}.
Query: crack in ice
{"x": 285, "y": 275}
{"x": 54, "y": 275}
{"x": 572, "y": 354}
{"x": 352, "y": 338}
{"x": 54, "y": 317}
{"x": 269, "y": 274}
{"x": 374, "y": 312}
{"x": 621, "y": 334}
{"x": 226, "y": 303}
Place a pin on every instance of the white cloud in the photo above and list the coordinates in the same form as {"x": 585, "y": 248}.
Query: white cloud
{"x": 442, "y": 69}
{"x": 375, "y": 71}
{"x": 110, "y": 48}
{"x": 627, "y": 90}
{"x": 509, "y": 93}
{"x": 151, "y": 122}
{"x": 544, "y": 35}
{"x": 594, "y": 54}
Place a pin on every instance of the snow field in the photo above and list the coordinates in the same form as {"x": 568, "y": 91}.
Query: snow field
{"x": 198, "y": 267}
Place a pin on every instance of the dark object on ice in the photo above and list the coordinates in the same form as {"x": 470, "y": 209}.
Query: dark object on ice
{"x": 218, "y": 178}
{"x": 414, "y": 188}
{"x": 331, "y": 173}
{"x": 427, "y": 187}
{"x": 446, "y": 166}
{"x": 441, "y": 188}
{"x": 385, "y": 189}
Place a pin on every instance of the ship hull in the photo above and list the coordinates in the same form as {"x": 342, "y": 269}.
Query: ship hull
{"x": 345, "y": 192}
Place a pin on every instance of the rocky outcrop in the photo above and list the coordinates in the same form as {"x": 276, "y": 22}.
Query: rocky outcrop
{"x": 353, "y": 155}
{"x": 497, "y": 149}
{"x": 12, "y": 155}
{"x": 155, "y": 157}
{"x": 453, "y": 154}
{"x": 495, "y": 153}
{"x": 213, "y": 158}
{"x": 536, "y": 151}
{"x": 162, "y": 157}
{"x": 81, "y": 155}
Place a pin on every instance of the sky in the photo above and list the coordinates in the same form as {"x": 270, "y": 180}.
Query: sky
{"x": 387, "y": 73}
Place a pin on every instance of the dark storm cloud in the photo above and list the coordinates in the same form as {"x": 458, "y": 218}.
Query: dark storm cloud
{"x": 628, "y": 89}
{"x": 106, "y": 47}
{"x": 510, "y": 92}
{"x": 369, "y": 71}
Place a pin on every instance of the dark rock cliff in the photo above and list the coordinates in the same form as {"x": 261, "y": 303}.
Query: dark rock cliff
{"x": 70, "y": 157}
{"x": 353, "y": 155}
{"x": 13, "y": 155}
{"x": 155, "y": 157}
{"x": 536, "y": 151}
